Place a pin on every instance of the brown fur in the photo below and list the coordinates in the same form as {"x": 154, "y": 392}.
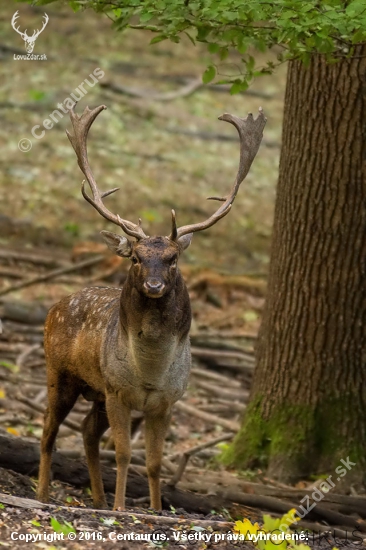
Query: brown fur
{"x": 124, "y": 349}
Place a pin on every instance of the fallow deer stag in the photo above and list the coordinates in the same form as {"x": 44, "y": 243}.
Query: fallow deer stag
{"x": 127, "y": 349}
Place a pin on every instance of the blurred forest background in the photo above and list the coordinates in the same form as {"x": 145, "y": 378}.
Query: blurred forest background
{"x": 163, "y": 154}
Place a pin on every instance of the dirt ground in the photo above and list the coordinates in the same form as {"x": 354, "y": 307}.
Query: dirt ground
{"x": 71, "y": 529}
{"x": 101, "y": 529}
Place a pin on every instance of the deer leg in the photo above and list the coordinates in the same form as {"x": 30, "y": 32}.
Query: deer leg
{"x": 155, "y": 431}
{"x": 94, "y": 426}
{"x": 62, "y": 394}
{"x": 119, "y": 417}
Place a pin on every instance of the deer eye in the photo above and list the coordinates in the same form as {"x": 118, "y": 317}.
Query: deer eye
{"x": 173, "y": 262}
{"x": 134, "y": 260}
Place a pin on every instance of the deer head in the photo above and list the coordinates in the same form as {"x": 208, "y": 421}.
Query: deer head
{"x": 154, "y": 259}
{"x": 29, "y": 40}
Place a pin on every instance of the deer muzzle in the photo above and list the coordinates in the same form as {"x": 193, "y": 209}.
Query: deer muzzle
{"x": 153, "y": 288}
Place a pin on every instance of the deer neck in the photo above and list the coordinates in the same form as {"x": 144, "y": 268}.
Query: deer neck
{"x": 153, "y": 333}
{"x": 150, "y": 320}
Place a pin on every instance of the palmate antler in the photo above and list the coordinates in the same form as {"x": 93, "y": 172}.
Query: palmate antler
{"x": 250, "y": 133}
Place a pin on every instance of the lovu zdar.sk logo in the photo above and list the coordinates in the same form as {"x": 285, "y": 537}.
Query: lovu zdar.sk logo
{"x": 29, "y": 41}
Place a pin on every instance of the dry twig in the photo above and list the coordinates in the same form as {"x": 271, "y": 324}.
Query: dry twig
{"x": 211, "y": 418}
{"x": 52, "y": 274}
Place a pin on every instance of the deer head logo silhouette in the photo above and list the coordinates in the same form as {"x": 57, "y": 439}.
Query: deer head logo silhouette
{"x": 29, "y": 40}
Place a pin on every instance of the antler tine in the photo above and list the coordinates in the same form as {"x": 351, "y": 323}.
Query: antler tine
{"x": 14, "y": 21}
{"x": 250, "y": 133}
{"x": 174, "y": 233}
{"x": 81, "y": 125}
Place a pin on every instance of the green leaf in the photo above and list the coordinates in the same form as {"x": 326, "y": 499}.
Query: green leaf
{"x": 250, "y": 63}
{"x": 158, "y": 38}
{"x": 213, "y": 48}
{"x": 190, "y": 38}
{"x": 360, "y": 36}
{"x": 64, "y": 528}
{"x": 224, "y": 52}
{"x": 135, "y": 520}
{"x": 306, "y": 58}
{"x": 35, "y": 523}
{"x": 270, "y": 523}
{"x": 36, "y": 95}
{"x": 355, "y": 7}
{"x": 146, "y": 17}
{"x": 10, "y": 366}
{"x": 288, "y": 15}
{"x": 56, "y": 525}
{"x": 202, "y": 32}
{"x": 237, "y": 87}
{"x": 250, "y": 316}
{"x": 209, "y": 74}
{"x": 306, "y": 27}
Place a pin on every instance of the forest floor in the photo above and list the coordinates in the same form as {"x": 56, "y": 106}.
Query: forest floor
{"x": 223, "y": 338}
{"x": 164, "y": 154}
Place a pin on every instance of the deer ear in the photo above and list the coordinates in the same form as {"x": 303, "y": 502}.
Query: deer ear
{"x": 185, "y": 241}
{"x": 118, "y": 244}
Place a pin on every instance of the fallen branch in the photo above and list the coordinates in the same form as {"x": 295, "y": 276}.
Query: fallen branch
{"x": 36, "y": 259}
{"x": 208, "y": 278}
{"x": 207, "y": 136}
{"x": 17, "y": 380}
{"x": 14, "y": 328}
{"x": 204, "y": 373}
{"x": 227, "y": 408}
{"x": 52, "y": 274}
{"x": 182, "y": 79}
{"x": 27, "y": 352}
{"x": 184, "y": 458}
{"x": 11, "y": 273}
{"x": 222, "y": 355}
{"x": 22, "y": 456}
{"x": 184, "y": 91}
{"x": 33, "y": 406}
{"x": 211, "y": 418}
{"x": 231, "y": 405}
{"x": 231, "y": 393}
{"x": 149, "y": 518}
{"x": 30, "y": 313}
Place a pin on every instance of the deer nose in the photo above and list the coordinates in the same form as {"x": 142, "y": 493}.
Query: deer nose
{"x": 153, "y": 286}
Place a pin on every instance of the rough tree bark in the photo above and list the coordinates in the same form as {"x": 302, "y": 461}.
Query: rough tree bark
{"x": 308, "y": 402}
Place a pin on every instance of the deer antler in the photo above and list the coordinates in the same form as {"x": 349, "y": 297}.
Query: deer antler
{"x": 81, "y": 125}
{"x": 37, "y": 33}
{"x": 250, "y": 133}
{"x": 13, "y": 22}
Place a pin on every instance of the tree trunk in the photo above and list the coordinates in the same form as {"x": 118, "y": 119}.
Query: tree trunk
{"x": 308, "y": 402}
